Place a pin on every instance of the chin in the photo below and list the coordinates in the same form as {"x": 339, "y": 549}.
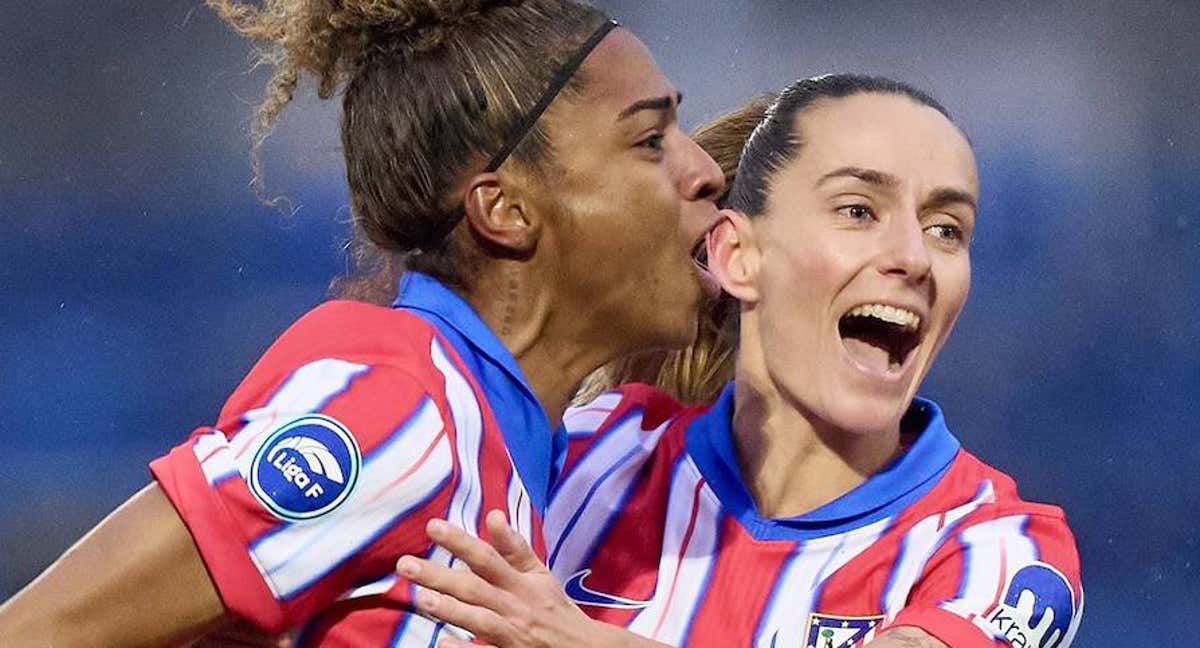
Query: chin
{"x": 866, "y": 415}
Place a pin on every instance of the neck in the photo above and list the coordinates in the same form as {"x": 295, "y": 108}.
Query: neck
{"x": 791, "y": 460}
{"x": 550, "y": 345}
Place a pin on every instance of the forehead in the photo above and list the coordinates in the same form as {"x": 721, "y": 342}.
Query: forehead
{"x": 888, "y": 133}
{"x": 619, "y": 71}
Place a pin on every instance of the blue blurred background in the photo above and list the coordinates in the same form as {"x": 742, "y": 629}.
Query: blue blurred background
{"x": 140, "y": 277}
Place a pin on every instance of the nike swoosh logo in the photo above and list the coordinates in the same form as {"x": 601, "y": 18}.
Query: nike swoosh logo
{"x": 583, "y": 595}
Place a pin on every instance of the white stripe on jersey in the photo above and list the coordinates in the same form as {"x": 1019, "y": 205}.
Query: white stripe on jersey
{"x": 468, "y": 427}
{"x": 520, "y": 511}
{"x": 215, "y": 458}
{"x": 799, "y": 583}
{"x": 423, "y": 632}
{"x": 992, "y": 551}
{"x": 919, "y": 545}
{"x": 692, "y": 514}
{"x": 307, "y": 390}
{"x": 585, "y": 420}
{"x": 467, "y": 499}
{"x": 295, "y": 555}
{"x": 610, "y": 467}
{"x": 373, "y": 588}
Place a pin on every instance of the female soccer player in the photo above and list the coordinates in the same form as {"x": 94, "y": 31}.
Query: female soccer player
{"x": 817, "y": 502}
{"x": 525, "y": 161}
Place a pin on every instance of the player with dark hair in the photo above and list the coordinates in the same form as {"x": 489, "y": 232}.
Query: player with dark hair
{"x": 817, "y": 502}
{"x": 522, "y": 161}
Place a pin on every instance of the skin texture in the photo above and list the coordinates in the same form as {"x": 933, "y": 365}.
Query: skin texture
{"x": 852, "y": 242}
{"x": 141, "y": 556}
{"x": 632, "y": 195}
{"x": 598, "y": 262}
{"x": 878, "y": 207}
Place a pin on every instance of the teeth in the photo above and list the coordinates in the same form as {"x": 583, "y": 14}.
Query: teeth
{"x": 890, "y": 314}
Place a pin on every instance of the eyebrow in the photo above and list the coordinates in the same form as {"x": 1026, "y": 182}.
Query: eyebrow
{"x": 664, "y": 102}
{"x": 939, "y": 197}
{"x": 869, "y": 176}
{"x": 947, "y": 196}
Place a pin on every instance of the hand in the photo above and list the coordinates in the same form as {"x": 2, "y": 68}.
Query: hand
{"x": 509, "y": 597}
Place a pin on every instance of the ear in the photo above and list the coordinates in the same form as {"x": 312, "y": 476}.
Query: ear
{"x": 733, "y": 256}
{"x": 498, "y": 218}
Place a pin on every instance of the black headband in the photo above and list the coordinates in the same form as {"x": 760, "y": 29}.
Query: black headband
{"x": 559, "y": 81}
{"x": 519, "y": 130}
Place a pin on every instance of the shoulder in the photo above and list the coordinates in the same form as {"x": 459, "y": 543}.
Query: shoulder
{"x": 975, "y": 504}
{"x": 344, "y": 349}
{"x": 357, "y": 329}
{"x": 998, "y": 563}
{"x": 969, "y": 475}
{"x": 356, "y": 333}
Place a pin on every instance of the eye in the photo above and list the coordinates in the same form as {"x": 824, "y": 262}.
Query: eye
{"x": 860, "y": 213}
{"x": 653, "y": 142}
{"x": 948, "y": 233}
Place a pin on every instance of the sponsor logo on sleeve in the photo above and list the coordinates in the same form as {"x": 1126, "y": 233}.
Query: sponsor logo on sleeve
{"x": 831, "y": 631}
{"x": 306, "y": 468}
{"x": 1037, "y": 608}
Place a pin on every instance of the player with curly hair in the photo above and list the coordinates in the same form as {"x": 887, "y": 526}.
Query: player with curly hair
{"x": 519, "y": 165}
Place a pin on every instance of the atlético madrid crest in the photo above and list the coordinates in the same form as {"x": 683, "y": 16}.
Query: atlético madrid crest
{"x": 829, "y": 631}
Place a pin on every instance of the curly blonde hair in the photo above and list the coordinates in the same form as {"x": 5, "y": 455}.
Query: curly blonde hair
{"x": 429, "y": 87}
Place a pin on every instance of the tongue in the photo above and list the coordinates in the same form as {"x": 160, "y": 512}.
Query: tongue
{"x": 868, "y": 354}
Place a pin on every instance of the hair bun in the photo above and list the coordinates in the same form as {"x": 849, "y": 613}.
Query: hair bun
{"x": 422, "y": 22}
{"x": 330, "y": 38}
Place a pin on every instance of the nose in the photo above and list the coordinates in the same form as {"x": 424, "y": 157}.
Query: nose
{"x": 905, "y": 254}
{"x": 702, "y": 178}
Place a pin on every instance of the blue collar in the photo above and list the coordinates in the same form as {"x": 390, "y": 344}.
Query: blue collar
{"x": 538, "y": 451}
{"x": 886, "y": 493}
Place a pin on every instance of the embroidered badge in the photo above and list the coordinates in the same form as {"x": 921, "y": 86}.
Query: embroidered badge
{"x": 831, "y": 631}
{"x": 306, "y": 468}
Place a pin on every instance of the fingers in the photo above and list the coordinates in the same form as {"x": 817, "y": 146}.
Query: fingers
{"x": 479, "y": 555}
{"x": 461, "y": 584}
{"x": 451, "y": 642}
{"x": 510, "y": 545}
{"x": 473, "y": 618}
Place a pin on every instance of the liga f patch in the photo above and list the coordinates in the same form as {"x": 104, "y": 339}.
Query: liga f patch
{"x": 306, "y": 468}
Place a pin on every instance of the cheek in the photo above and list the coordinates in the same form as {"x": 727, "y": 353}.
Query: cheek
{"x": 806, "y": 276}
{"x": 795, "y": 291}
{"x": 952, "y": 283}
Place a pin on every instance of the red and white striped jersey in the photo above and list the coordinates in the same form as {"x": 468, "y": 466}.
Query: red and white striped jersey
{"x": 356, "y": 427}
{"x": 651, "y": 527}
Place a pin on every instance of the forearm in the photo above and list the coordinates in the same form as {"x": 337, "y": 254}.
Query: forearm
{"x": 134, "y": 580}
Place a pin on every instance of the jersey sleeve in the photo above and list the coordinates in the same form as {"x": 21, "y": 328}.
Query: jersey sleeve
{"x": 320, "y": 473}
{"x": 1004, "y": 580}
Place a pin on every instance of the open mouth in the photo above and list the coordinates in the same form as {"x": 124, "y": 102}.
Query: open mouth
{"x": 879, "y": 337}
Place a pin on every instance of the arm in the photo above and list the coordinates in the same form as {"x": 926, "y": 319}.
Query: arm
{"x": 508, "y": 598}
{"x": 1009, "y": 577}
{"x": 134, "y": 580}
